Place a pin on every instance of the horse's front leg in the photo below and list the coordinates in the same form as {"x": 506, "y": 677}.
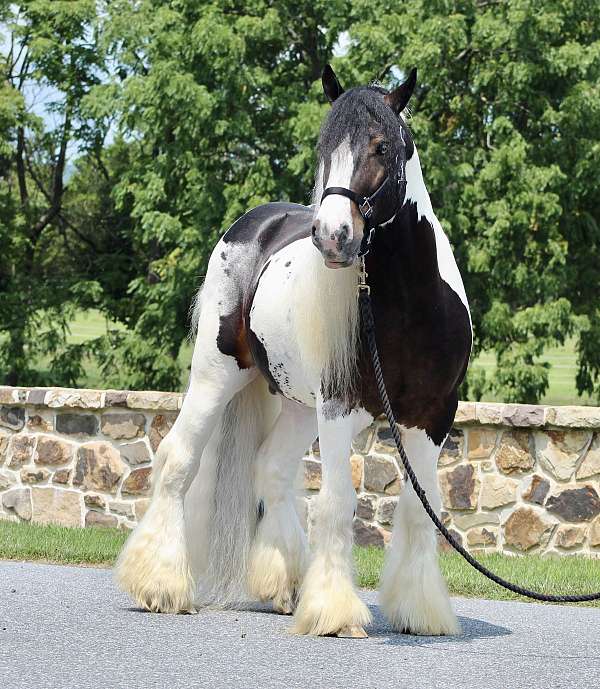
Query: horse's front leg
{"x": 329, "y": 603}
{"x": 413, "y": 593}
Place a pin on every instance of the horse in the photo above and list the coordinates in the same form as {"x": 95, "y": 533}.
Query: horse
{"x": 279, "y": 361}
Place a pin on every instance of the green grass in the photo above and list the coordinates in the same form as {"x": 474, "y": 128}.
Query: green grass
{"x": 100, "y": 547}
{"x": 551, "y": 575}
{"x": 20, "y": 541}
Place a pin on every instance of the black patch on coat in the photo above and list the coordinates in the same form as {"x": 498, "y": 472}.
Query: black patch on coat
{"x": 422, "y": 328}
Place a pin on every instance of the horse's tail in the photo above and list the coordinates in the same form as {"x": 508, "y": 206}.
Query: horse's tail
{"x": 221, "y": 508}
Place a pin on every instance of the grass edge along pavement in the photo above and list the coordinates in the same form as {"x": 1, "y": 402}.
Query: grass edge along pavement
{"x": 100, "y": 547}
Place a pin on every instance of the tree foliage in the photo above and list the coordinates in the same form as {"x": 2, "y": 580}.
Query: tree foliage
{"x": 213, "y": 107}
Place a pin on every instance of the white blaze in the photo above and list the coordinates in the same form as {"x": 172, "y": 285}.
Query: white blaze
{"x": 336, "y": 210}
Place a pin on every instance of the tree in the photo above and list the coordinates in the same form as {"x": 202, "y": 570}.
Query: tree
{"x": 48, "y": 49}
{"x": 507, "y": 120}
{"x": 207, "y": 95}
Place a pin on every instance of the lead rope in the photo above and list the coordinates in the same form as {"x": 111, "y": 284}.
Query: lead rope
{"x": 368, "y": 325}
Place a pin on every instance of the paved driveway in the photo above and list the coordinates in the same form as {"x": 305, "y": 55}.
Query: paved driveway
{"x": 69, "y": 627}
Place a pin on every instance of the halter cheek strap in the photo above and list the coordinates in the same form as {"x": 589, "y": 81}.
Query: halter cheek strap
{"x": 366, "y": 204}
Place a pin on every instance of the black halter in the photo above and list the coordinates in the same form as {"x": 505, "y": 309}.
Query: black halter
{"x": 366, "y": 204}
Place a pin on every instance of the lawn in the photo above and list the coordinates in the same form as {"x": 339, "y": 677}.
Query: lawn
{"x": 100, "y": 547}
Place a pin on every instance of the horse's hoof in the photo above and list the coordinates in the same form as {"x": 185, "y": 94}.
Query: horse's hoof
{"x": 354, "y": 631}
{"x": 285, "y": 608}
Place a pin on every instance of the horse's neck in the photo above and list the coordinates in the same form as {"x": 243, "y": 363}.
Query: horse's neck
{"x": 405, "y": 248}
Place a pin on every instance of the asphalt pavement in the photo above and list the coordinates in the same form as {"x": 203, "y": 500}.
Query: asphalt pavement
{"x": 70, "y": 627}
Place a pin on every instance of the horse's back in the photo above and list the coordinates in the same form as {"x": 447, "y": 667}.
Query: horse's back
{"x": 270, "y": 227}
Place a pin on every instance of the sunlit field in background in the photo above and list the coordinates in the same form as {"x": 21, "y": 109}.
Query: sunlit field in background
{"x": 90, "y": 324}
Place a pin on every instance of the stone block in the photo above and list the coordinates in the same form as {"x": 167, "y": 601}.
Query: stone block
{"x": 367, "y": 535}
{"x": 19, "y": 502}
{"x": 443, "y": 543}
{"x": 68, "y": 398}
{"x": 365, "y": 507}
{"x": 311, "y": 473}
{"x": 135, "y": 453}
{"x": 138, "y": 482}
{"x": 381, "y": 475}
{"x": 514, "y": 453}
{"x": 573, "y": 416}
{"x": 115, "y": 398}
{"x": 125, "y": 509}
{"x": 570, "y": 536}
{"x": 53, "y": 451}
{"x": 466, "y": 413}
{"x": 558, "y": 452}
{"x": 489, "y": 414}
{"x": 12, "y": 417}
{"x": 56, "y": 506}
{"x": 77, "y": 424}
{"x": 363, "y": 441}
{"x": 96, "y": 502}
{"x": 525, "y": 529}
{"x": 356, "y": 469}
{"x": 153, "y": 400}
{"x": 34, "y": 475}
{"x": 42, "y": 422}
{"x": 469, "y": 521}
{"x": 6, "y": 480}
{"x": 123, "y": 426}
{"x": 497, "y": 491}
{"x": 595, "y": 533}
{"x": 591, "y": 462}
{"x": 575, "y": 504}
{"x": 452, "y": 451}
{"x": 459, "y": 487}
{"x": 315, "y": 448}
{"x": 160, "y": 426}
{"x": 99, "y": 467}
{"x": 481, "y": 536}
{"x": 4, "y": 442}
{"x": 523, "y": 415}
{"x": 385, "y": 510}
{"x": 37, "y": 396}
{"x": 20, "y": 451}
{"x": 537, "y": 490}
{"x": 62, "y": 476}
{"x": 481, "y": 443}
{"x": 384, "y": 440}
{"x": 100, "y": 519}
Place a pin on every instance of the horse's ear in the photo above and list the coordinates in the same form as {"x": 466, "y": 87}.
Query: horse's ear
{"x": 332, "y": 87}
{"x": 398, "y": 98}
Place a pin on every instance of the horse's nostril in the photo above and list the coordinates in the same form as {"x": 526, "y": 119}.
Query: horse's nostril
{"x": 315, "y": 228}
{"x": 344, "y": 232}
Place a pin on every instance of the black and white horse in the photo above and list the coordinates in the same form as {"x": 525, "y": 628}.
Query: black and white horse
{"x": 279, "y": 360}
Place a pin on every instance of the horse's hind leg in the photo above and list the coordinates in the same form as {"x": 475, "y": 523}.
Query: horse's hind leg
{"x": 413, "y": 593}
{"x": 154, "y": 566}
{"x": 278, "y": 555}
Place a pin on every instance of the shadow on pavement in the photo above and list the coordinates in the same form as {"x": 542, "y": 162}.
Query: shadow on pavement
{"x": 472, "y": 627}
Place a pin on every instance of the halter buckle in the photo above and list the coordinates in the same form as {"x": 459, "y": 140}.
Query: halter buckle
{"x": 362, "y": 278}
{"x": 365, "y": 208}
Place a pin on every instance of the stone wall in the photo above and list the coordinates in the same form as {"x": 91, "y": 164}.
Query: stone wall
{"x": 514, "y": 478}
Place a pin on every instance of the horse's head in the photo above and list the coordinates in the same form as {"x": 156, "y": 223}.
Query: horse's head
{"x": 361, "y": 176}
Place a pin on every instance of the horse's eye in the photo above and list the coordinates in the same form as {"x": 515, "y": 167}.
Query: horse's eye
{"x": 382, "y": 148}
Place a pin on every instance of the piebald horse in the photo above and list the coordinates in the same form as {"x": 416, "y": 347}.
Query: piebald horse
{"x": 279, "y": 360}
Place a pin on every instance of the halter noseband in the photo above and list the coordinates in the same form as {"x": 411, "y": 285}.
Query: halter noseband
{"x": 366, "y": 204}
